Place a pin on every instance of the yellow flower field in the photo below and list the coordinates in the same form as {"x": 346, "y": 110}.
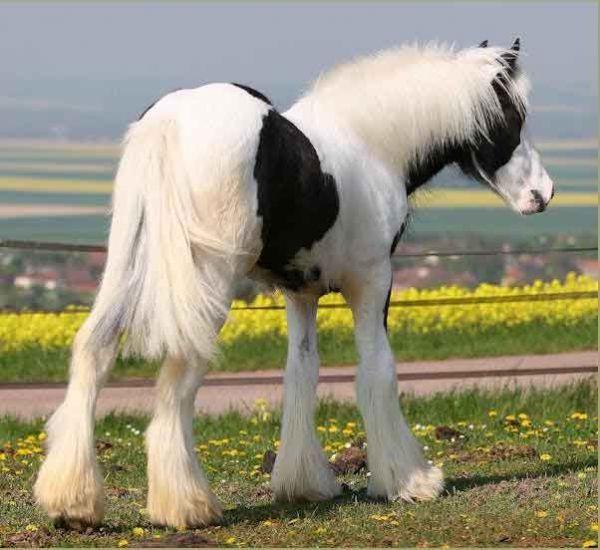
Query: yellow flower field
{"x": 51, "y": 331}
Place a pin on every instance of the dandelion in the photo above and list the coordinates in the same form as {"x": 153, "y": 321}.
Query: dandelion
{"x": 541, "y": 514}
{"x": 545, "y": 457}
{"x": 31, "y": 527}
{"x": 230, "y": 540}
{"x": 122, "y": 543}
{"x": 590, "y": 544}
{"x": 579, "y": 416}
{"x": 138, "y": 532}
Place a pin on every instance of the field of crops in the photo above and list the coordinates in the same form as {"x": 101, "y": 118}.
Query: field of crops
{"x": 35, "y": 346}
{"x": 82, "y": 174}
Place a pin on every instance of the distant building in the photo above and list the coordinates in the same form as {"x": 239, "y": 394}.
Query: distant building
{"x": 80, "y": 280}
{"x": 49, "y": 281}
{"x": 589, "y": 267}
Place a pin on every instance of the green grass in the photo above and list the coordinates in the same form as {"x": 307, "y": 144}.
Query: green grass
{"x": 35, "y": 364}
{"x": 70, "y": 229}
{"x": 503, "y": 222}
{"x": 507, "y": 483}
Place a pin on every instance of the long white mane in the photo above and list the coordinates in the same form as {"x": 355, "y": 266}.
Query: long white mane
{"x": 404, "y": 101}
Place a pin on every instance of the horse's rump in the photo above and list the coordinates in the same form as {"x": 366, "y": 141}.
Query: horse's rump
{"x": 182, "y": 229}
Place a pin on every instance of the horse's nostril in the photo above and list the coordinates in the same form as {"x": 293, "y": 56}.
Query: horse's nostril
{"x": 538, "y": 200}
{"x": 537, "y": 196}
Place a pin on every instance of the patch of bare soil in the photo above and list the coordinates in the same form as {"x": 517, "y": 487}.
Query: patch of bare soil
{"x": 178, "y": 540}
{"x": 268, "y": 462}
{"x": 103, "y": 446}
{"x": 499, "y": 451}
{"x": 349, "y": 461}
{"x": 446, "y": 433}
{"x": 29, "y": 539}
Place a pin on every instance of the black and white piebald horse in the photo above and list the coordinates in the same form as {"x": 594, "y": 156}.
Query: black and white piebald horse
{"x": 215, "y": 184}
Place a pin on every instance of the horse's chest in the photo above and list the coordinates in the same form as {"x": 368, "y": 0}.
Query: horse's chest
{"x": 298, "y": 204}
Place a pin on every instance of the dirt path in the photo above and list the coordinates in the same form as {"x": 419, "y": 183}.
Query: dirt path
{"x": 222, "y": 392}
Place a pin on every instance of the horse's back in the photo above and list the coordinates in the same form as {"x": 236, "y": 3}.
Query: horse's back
{"x": 218, "y": 125}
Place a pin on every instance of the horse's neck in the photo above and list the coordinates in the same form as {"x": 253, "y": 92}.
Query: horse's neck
{"x": 424, "y": 167}
{"x": 419, "y": 162}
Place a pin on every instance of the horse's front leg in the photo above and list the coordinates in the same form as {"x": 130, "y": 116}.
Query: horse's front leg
{"x": 395, "y": 459}
{"x": 301, "y": 471}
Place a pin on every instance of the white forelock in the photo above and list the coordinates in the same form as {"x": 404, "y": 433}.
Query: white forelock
{"x": 404, "y": 101}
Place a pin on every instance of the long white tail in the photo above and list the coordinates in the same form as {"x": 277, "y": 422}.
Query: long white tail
{"x": 166, "y": 283}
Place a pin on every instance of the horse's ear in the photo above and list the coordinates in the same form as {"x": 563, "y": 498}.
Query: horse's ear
{"x": 510, "y": 56}
{"x": 484, "y": 44}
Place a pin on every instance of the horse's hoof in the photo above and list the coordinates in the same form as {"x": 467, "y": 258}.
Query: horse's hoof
{"x": 73, "y": 524}
{"x": 422, "y": 484}
{"x": 318, "y": 489}
{"x": 200, "y": 511}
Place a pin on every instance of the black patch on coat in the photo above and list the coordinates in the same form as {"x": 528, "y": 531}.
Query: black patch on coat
{"x": 491, "y": 153}
{"x": 422, "y": 169}
{"x": 314, "y": 274}
{"x": 148, "y": 108}
{"x": 397, "y": 238}
{"x": 504, "y": 137}
{"x": 253, "y": 93}
{"x": 386, "y": 307}
{"x": 297, "y": 201}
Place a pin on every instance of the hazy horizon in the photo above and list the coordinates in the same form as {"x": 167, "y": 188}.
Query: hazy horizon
{"x": 84, "y": 71}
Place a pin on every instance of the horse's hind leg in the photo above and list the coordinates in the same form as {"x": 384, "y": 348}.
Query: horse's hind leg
{"x": 178, "y": 492}
{"x": 69, "y": 485}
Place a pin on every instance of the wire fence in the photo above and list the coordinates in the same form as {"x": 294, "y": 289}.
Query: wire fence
{"x": 71, "y": 247}
{"x": 449, "y": 301}
{"x": 426, "y": 302}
